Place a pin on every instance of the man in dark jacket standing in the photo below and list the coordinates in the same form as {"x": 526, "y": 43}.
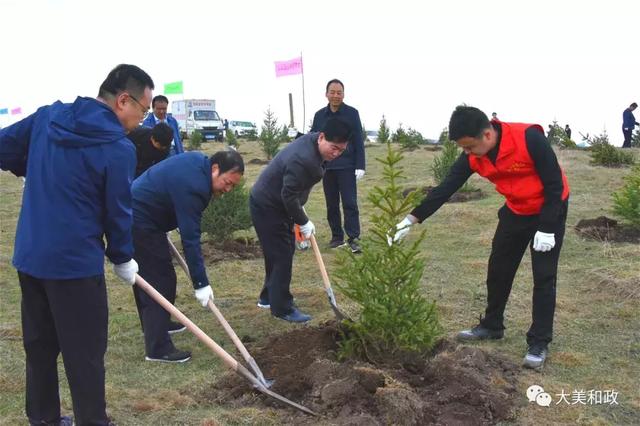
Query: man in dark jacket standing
{"x": 276, "y": 204}
{"x": 628, "y": 124}
{"x": 339, "y": 181}
{"x": 519, "y": 161}
{"x": 80, "y": 166}
{"x": 152, "y": 145}
{"x": 173, "y": 194}
{"x": 160, "y": 105}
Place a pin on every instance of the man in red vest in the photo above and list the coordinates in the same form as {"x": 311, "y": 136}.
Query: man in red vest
{"x": 519, "y": 161}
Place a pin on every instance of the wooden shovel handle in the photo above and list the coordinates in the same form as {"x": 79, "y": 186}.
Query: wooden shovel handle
{"x": 323, "y": 270}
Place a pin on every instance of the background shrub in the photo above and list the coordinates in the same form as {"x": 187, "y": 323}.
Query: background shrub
{"x": 227, "y": 214}
{"x": 626, "y": 201}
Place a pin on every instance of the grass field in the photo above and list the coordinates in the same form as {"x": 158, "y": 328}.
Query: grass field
{"x": 597, "y": 326}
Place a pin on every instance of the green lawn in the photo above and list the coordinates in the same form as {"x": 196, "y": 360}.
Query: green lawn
{"x": 597, "y": 327}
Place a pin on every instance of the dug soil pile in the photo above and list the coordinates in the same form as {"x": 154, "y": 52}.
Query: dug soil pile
{"x": 456, "y": 385}
{"x": 605, "y": 229}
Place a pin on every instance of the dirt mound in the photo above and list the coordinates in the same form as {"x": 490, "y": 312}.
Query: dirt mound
{"x": 458, "y": 197}
{"x": 231, "y": 250}
{"x": 606, "y": 229}
{"x": 258, "y": 161}
{"x": 459, "y": 385}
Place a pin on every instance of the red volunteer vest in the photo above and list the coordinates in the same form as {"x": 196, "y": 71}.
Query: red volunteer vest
{"x": 514, "y": 173}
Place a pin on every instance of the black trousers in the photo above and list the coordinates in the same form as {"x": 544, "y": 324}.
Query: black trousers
{"x": 513, "y": 234}
{"x": 627, "y": 138}
{"x": 154, "y": 262}
{"x": 341, "y": 185}
{"x": 275, "y": 233}
{"x": 68, "y": 317}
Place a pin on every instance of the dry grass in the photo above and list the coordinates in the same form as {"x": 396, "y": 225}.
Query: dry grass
{"x": 596, "y": 345}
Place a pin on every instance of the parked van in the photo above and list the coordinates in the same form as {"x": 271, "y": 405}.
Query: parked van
{"x": 241, "y": 128}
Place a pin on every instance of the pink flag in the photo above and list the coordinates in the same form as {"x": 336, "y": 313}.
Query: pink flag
{"x": 291, "y": 67}
{"x": 15, "y": 111}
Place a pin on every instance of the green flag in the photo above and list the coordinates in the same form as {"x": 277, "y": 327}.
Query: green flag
{"x": 174, "y": 88}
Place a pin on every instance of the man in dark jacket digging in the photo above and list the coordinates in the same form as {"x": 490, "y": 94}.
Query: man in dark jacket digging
{"x": 519, "y": 161}
{"x": 173, "y": 194}
{"x": 79, "y": 164}
{"x": 152, "y": 145}
{"x": 276, "y": 204}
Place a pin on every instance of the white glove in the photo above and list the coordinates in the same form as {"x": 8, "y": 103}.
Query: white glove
{"x": 307, "y": 229}
{"x": 204, "y": 294}
{"x": 127, "y": 271}
{"x": 543, "y": 241}
{"x": 402, "y": 229}
{"x": 359, "y": 174}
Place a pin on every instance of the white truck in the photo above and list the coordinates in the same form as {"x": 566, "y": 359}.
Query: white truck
{"x": 200, "y": 115}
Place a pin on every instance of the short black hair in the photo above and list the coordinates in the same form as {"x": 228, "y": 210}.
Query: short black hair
{"x": 159, "y": 98}
{"x": 163, "y": 134}
{"x": 336, "y": 130}
{"x": 335, "y": 80}
{"x": 467, "y": 121}
{"x": 125, "y": 78}
{"x": 228, "y": 161}
{"x": 633, "y": 105}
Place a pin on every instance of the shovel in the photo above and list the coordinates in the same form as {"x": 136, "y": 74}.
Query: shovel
{"x": 234, "y": 337}
{"x": 219, "y": 351}
{"x": 325, "y": 279}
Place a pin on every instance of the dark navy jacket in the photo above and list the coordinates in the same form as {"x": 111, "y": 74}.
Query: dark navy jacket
{"x": 173, "y": 194}
{"x": 151, "y": 122}
{"x": 284, "y": 185}
{"x": 628, "y": 120}
{"x": 353, "y": 156}
{"x": 79, "y": 167}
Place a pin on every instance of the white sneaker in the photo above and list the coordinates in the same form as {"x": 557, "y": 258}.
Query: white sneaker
{"x": 535, "y": 357}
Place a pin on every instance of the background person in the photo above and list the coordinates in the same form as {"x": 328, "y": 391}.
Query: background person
{"x": 152, "y": 145}
{"x": 339, "y": 181}
{"x": 80, "y": 166}
{"x": 628, "y": 124}
{"x": 160, "y": 104}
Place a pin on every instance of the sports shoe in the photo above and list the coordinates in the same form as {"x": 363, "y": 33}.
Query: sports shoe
{"x": 336, "y": 243}
{"x": 176, "y": 327}
{"x": 66, "y": 421}
{"x": 175, "y": 356}
{"x": 263, "y": 304}
{"x": 480, "y": 333}
{"x": 354, "y": 245}
{"x": 295, "y": 316}
{"x": 535, "y": 357}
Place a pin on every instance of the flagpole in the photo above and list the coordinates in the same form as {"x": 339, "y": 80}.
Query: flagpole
{"x": 304, "y": 107}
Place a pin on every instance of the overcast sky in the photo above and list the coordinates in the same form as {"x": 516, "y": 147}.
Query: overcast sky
{"x": 530, "y": 61}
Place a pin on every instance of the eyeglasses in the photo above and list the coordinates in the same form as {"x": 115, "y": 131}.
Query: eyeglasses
{"x": 143, "y": 109}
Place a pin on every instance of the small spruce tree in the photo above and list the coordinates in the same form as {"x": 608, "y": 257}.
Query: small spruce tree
{"x": 384, "y": 281}
{"x": 195, "y": 141}
{"x": 227, "y": 214}
{"x": 635, "y": 139}
{"x": 270, "y": 134}
{"x": 443, "y": 162}
{"x": 626, "y": 201}
{"x": 399, "y": 135}
{"x": 232, "y": 139}
{"x": 383, "y": 131}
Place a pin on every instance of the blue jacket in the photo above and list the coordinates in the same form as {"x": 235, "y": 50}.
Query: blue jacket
{"x": 628, "y": 120}
{"x": 353, "y": 156}
{"x": 79, "y": 166}
{"x": 150, "y": 121}
{"x": 174, "y": 193}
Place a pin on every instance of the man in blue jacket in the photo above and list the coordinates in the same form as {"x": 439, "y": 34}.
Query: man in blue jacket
{"x": 160, "y": 104}
{"x": 80, "y": 166}
{"x": 628, "y": 124}
{"x": 173, "y": 194}
{"x": 339, "y": 181}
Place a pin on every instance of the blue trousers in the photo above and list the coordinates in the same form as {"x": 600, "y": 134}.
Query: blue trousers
{"x": 341, "y": 185}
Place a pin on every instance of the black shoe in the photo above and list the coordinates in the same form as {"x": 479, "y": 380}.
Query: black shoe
{"x": 62, "y": 421}
{"x": 66, "y": 421}
{"x": 336, "y": 243}
{"x": 176, "y": 327}
{"x": 175, "y": 356}
{"x": 354, "y": 245}
{"x": 480, "y": 333}
{"x": 295, "y": 316}
{"x": 535, "y": 357}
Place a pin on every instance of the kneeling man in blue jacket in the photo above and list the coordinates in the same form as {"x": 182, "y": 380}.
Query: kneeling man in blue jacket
{"x": 173, "y": 194}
